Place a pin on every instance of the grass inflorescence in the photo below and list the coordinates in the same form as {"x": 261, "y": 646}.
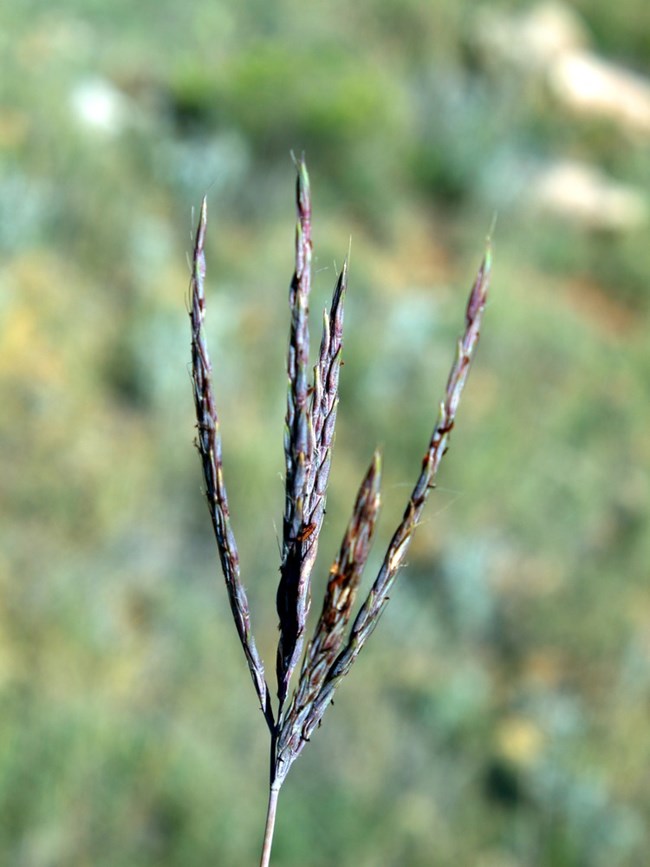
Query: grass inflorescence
{"x": 308, "y": 438}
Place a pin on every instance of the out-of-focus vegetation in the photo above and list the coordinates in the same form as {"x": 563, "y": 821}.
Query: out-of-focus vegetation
{"x": 499, "y": 715}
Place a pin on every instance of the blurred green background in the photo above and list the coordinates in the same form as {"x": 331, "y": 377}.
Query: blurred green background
{"x": 499, "y": 716}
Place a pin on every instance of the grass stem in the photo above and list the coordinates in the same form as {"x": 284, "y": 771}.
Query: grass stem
{"x": 265, "y": 860}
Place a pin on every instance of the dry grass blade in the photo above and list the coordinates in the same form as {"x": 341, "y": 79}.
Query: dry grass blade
{"x": 372, "y": 608}
{"x": 208, "y": 443}
{"x": 293, "y": 589}
{"x": 342, "y": 586}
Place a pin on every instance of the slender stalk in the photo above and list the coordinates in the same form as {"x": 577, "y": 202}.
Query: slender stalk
{"x": 269, "y": 828}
